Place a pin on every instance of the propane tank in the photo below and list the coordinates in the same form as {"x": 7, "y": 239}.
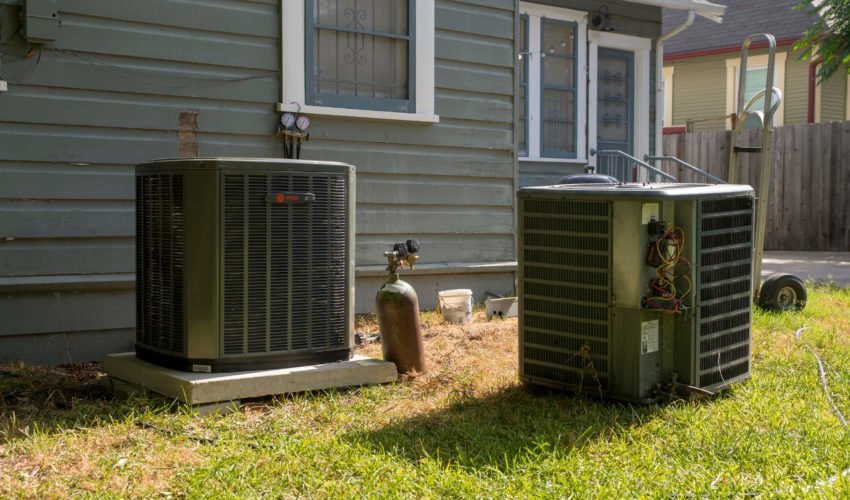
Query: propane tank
{"x": 398, "y": 312}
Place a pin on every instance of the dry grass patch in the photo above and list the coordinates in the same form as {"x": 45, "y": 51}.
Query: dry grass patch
{"x": 463, "y": 360}
{"x": 463, "y": 429}
{"x": 121, "y": 459}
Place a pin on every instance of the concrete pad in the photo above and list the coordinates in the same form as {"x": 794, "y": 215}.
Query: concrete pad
{"x": 817, "y": 266}
{"x": 201, "y": 388}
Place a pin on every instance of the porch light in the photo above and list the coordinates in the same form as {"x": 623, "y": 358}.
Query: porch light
{"x": 603, "y": 19}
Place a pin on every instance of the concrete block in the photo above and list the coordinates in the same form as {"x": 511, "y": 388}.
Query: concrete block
{"x": 501, "y": 308}
{"x": 203, "y": 388}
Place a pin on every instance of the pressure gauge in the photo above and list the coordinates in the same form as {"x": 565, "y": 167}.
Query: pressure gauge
{"x": 287, "y": 119}
{"x": 303, "y": 123}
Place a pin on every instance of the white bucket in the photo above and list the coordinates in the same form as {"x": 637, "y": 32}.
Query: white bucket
{"x": 456, "y": 305}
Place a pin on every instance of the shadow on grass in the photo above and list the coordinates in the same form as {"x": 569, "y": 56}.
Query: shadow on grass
{"x": 505, "y": 428}
{"x": 47, "y": 399}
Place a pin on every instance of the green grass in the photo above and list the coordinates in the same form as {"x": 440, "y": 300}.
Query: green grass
{"x": 465, "y": 429}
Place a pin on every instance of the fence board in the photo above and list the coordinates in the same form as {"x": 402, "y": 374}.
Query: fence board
{"x": 841, "y": 216}
{"x": 815, "y": 186}
{"x": 809, "y": 179}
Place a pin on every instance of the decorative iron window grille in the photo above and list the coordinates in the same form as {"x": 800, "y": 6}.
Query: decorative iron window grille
{"x": 360, "y": 54}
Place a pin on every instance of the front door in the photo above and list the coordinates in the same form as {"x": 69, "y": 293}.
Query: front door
{"x": 615, "y": 104}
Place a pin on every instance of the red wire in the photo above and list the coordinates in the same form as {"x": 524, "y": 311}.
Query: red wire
{"x": 653, "y": 304}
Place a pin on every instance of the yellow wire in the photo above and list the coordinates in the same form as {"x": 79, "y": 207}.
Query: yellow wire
{"x": 690, "y": 286}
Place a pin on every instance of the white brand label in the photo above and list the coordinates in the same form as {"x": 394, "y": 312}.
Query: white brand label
{"x": 649, "y": 336}
{"x": 649, "y": 212}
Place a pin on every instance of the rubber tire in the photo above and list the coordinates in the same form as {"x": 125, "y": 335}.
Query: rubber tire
{"x": 769, "y": 299}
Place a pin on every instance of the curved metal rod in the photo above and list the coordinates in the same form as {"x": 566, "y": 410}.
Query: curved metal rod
{"x": 623, "y": 154}
{"x": 745, "y": 48}
{"x": 686, "y": 165}
{"x": 768, "y": 115}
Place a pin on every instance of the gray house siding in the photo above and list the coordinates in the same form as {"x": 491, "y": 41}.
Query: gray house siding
{"x": 80, "y": 113}
{"x": 628, "y": 19}
{"x": 449, "y": 184}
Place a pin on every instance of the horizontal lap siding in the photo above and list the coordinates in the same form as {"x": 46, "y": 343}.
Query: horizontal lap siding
{"x": 79, "y": 115}
{"x": 449, "y": 184}
{"x": 699, "y": 91}
{"x": 107, "y": 94}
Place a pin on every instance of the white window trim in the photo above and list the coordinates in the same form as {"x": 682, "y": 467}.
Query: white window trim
{"x": 641, "y": 48}
{"x": 293, "y": 91}
{"x": 667, "y": 79}
{"x": 535, "y": 13}
{"x": 733, "y": 66}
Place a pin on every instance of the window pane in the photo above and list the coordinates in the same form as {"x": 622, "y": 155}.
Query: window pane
{"x": 523, "y": 49}
{"x": 521, "y": 135}
{"x": 558, "y": 71}
{"x": 754, "y": 84}
{"x": 558, "y": 137}
{"x": 558, "y": 39}
{"x": 558, "y": 104}
{"x": 385, "y": 16}
{"x": 361, "y": 65}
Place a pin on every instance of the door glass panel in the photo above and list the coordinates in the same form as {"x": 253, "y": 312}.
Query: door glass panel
{"x": 615, "y": 102}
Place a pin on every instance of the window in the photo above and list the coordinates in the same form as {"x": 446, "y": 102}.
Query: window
{"x": 360, "y": 54}
{"x": 756, "y": 75}
{"x": 362, "y": 59}
{"x": 666, "y": 100}
{"x": 753, "y": 84}
{"x": 552, "y": 114}
{"x": 522, "y": 126}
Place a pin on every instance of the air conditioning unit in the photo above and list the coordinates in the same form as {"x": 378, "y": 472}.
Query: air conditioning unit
{"x": 244, "y": 264}
{"x": 628, "y": 291}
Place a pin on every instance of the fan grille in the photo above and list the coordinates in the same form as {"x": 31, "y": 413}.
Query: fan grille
{"x": 565, "y": 261}
{"x": 284, "y": 265}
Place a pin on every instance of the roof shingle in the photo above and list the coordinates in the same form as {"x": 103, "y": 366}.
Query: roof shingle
{"x": 742, "y": 18}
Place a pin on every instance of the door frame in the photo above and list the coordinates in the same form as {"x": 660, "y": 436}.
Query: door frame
{"x": 641, "y": 48}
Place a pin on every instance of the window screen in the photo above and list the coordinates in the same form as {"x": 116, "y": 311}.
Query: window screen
{"x": 360, "y": 54}
{"x": 558, "y": 89}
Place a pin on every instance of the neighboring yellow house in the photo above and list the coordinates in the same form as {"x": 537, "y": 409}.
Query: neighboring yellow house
{"x": 701, "y": 67}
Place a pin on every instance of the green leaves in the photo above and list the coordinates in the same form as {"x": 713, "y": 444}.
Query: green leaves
{"x": 828, "y": 39}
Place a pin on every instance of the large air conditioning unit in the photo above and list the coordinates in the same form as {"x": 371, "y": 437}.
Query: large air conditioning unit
{"x": 244, "y": 264}
{"x": 631, "y": 291}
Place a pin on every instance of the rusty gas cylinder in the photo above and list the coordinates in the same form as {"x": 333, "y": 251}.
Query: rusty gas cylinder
{"x": 398, "y": 319}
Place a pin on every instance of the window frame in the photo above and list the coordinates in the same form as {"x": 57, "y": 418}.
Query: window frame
{"x": 733, "y": 68}
{"x": 573, "y": 154}
{"x": 536, "y": 13}
{"x": 360, "y": 102}
{"x": 523, "y": 82}
{"x": 293, "y": 96}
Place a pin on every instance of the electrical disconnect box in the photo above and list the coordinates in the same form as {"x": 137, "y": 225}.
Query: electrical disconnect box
{"x": 635, "y": 291}
{"x": 40, "y": 21}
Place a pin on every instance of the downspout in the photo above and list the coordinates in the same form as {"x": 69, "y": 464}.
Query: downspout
{"x": 812, "y": 73}
{"x": 659, "y": 74}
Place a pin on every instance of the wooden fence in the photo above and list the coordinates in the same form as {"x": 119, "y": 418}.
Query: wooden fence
{"x": 809, "y": 201}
